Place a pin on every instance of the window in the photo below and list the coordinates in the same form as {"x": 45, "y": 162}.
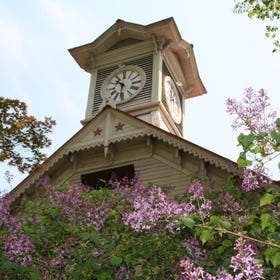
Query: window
{"x": 99, "y": 179}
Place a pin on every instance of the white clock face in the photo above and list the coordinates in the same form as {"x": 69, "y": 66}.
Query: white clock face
{"x": 172, "y": 100}
{"x": 124, "y": 83}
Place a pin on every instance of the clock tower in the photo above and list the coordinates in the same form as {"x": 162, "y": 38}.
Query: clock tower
{"x": 134, "y": 123}
{"x": 146, "y": 71}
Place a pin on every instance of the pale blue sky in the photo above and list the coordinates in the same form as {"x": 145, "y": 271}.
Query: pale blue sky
{"x": 232, "y": 53}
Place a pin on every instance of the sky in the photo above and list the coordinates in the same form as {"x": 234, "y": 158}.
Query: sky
{"x": 231, "y": 52}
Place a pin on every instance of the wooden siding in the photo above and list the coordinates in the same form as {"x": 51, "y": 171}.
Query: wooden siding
{"x": 155, "y": 163}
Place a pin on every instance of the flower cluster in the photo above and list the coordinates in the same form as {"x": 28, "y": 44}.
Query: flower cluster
{"x": 188, "y": 271}
{"x": 122, "y": 273}
{"x": 228, "y": 204}
{"x": 253, "y": 115}
{"x": 64, "y": 252}
{"x": 200, "y": 205}
{"x": 17, "y": 246}
{"x": 251, "y": 112}
{"x": 195, "y": 253}
{"x": 5, "y": 217}
{"x": 75, "y": 209}
{"x": 254, "y": 178}
{"x": 244, "y": 262}
{"x": 151, "y": 208}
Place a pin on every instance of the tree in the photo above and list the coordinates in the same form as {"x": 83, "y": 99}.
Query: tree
{"x": 22, "y": 136}
{"x": 266, "y": 10}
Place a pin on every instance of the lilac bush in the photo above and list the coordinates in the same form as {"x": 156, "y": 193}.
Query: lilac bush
{"x": 127, "y": 230}
{"x": 134, "y": 231}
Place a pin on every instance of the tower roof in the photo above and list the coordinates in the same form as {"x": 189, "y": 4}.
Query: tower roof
{"x": 164, "y": 34}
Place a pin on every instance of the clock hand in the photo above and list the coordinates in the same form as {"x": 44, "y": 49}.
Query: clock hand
{"x": 121, "y": 84}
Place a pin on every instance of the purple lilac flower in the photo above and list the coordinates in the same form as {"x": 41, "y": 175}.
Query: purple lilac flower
{"x": 254, "y": 178}
{"x": 97, "y": 252}
{"x": 151, "y": 207}
{"x": 244, "y": 262}
{"x": 223, "y": 275}
{"x": 64, "y": 252}
{"x": 196, "y": 189}
{"x": 18, "y": 248}
{"x": 5, "y": 217}
{"x": 200, "y": 204}
{"x": 123, "y": 273}
{"x": 188, "y": 271}
{"x": 195, "y": 252}
{"x": 76, "y": 210}
{"x": 229, "y": 204}
{"x": 251, "y": 112}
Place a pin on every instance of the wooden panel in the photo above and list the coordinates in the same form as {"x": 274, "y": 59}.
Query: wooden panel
{"x": 154, "y": 171}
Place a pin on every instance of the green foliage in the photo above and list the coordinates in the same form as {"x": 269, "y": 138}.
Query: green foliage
{"x": 266, "y": 10}
{"x": 67, "y": 250}
{"x": 22, "y": 136}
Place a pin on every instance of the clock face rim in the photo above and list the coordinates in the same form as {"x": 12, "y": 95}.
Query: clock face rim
{"x": 105, "y": 92}
{"x": 169, "y": 84}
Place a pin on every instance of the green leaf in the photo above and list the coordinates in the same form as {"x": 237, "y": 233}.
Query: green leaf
{"x": 278, "y": 123}
{"x": 246, "y": 140}
{"x": 267, "y": 198}
{"x": 272, "y": 255}
{"x": 34, "y": 276}
{"x": 265, "y": 220}
{"x": 242, "y": 161}
{"x": 205, "y": 235}
{"x": 116, "y": 261}
{"x": 188, "y": 222}
{"x": 85, "y": 236}
{"x": 95, "y": 238}
{"x": 8, "y": 265}
{"x": 226, "y": 225}
{"x": 215, "y": 220}
{"x": 275, "y": 259}
{"x": 276, "y": 136}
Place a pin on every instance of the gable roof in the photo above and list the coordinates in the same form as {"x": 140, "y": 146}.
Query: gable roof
{"x": 113, "y": 126}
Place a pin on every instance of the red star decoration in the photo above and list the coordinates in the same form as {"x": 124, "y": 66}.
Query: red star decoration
{"x": 119, "y": 126}
{"x": 97, "y": 131}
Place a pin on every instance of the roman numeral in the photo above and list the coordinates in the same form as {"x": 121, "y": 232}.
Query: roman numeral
{"x": 135, "y": 77}
{"x": 116, "y": 96}
{"x": 136, "y": 82}
{"x": 134, "y": 87}
{"x": 130, "y": 74}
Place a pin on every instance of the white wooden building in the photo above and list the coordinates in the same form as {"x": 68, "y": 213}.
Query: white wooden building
{"x": 134, "y": 121}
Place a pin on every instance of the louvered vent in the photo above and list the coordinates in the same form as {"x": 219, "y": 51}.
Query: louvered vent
{"x": 146, "y": 63}
{"x": 124, "y": 43}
